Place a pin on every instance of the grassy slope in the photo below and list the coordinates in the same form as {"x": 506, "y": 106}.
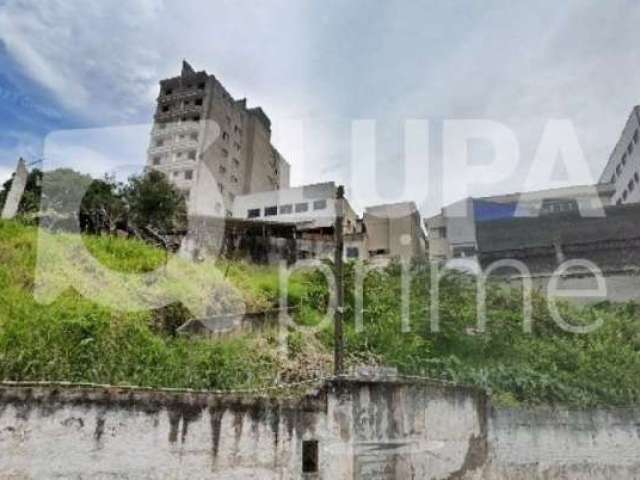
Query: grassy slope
{"x": 74, "y": 339}
{"x": 547, "y": 365}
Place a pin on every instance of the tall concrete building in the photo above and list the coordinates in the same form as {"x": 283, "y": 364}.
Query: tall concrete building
{"x": 211, "y": 146}
{"x": 623, "y": 168}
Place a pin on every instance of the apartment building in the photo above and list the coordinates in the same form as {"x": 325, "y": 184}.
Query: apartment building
{"x": 212, "y": 146}
{"x": 623, "y": 168}
{"x": 453, "y": 232}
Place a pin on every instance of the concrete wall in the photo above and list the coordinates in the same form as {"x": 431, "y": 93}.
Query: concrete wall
{"x": 365, "y": 429}
{"x": 12, "y": 202}
{"x": 563, "y": 444}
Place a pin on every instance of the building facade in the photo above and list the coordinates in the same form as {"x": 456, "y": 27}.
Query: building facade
{"x": 212, "y": 146}
{"x": 312, "y": 208}
{"x": 623, "y": 168}
{"x": 394, "y": 230}
{"x": 452, "y": 233}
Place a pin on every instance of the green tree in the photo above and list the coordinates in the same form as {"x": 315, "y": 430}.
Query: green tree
{"x": 154, "y": 202}
{"x": 102, "y": 208}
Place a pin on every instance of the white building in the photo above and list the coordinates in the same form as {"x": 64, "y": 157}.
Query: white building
{"x": 313, "y": 209}
{"x": 623, "y": 167}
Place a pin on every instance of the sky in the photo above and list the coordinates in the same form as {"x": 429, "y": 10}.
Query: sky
{"x": 82, "y": 76}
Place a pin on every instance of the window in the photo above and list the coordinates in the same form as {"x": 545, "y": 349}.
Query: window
{"x": 220, "y": 187}
{"x": 188, "y": 174}
{"x": 168, "y": 91}
{"x": 631, "y": 186}
{"x": 613, "y": 179}
{"x": 225, "y": 136}
{"x": 636, "y": 178}
{"x": 222, "y": 169}
{"x": 253, "y": 213}
{"x": 310, "y": 456}
{"x": 440, "y": 232}
{"x": 286, "y": 209}
{"x": 236, "y": 145}
{"x": 156, "y": 160}
{"x": 630, "y": 148}
{"x": 162, "y": 126}
{"x": 270, "y": 211}
{"x": 619, "y": 202}
{"x": 319, "y": 204}
{"x": 236, "y": 162}
{"x": 225, "y": 152}
{"x": 159, "y": 142}
{"x": 201, "y": 86}
{"x": 635, "y": 136}
{"x": 165, "y": 108}
{"x": 618, "y": 170}
{"x": 232, "y": 196}
{"x": 624, "y": 159}
{"x": 198, "y": 102}
{"x": 194, "y": 136}
{"x": 302, "y": 207}
{"x": 625, "y": 194}
{"x": 234, "y": 179}
{"x": 353, "y": 252}
{"x": 196, "y": 118}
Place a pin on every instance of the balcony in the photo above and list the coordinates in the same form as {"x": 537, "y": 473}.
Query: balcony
{"x": 178, "y": 113}
{"x": 182, "y": 95}
{"x": 175, "y": 127}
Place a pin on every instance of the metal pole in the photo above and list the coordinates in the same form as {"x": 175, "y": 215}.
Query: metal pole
{"x": 339, "y": 234}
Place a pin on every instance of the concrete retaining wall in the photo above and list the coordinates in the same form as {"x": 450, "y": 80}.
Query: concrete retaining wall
{"x": 364, "y": 429}
{"x": 563, "y": 444}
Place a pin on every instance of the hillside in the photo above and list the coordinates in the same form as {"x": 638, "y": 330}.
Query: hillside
{"x": 76, "y": 339}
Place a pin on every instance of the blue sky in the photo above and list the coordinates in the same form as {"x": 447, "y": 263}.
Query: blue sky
{"x": 68, "y": 65}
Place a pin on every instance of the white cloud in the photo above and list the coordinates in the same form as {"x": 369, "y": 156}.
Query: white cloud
{"x": 315, "y": 67}
{"x": 90, "y": 54}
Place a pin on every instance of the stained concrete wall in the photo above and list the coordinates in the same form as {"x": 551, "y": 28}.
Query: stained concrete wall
{"x": 365, "y": 430}
{"x": 563, "y": 444}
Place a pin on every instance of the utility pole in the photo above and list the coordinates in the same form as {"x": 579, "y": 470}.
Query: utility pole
{"x": 339, "y": 234}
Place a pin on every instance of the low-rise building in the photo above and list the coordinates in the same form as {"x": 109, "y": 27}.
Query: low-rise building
{"x": 312, "y": 208}
{"x": 544, "y": 246}
{"x": 394, "y": 230}
{"x": 452, "y": 233}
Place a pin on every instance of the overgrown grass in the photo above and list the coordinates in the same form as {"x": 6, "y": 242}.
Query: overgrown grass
{"x": 75, "y": 339}
{"x": 548, "y": 365}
